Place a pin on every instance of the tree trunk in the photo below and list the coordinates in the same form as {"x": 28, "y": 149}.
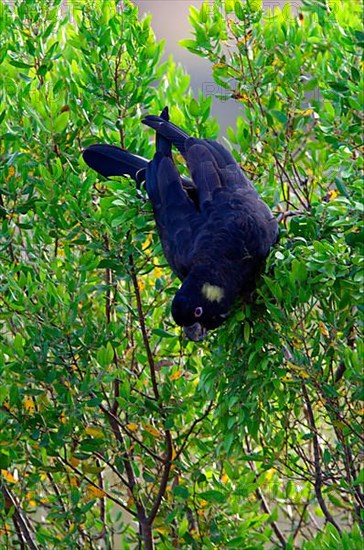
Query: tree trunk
{"x": 146, "y": 536}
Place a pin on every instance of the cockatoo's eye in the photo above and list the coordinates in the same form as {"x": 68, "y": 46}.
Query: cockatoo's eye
{"x": 198, "y": 311}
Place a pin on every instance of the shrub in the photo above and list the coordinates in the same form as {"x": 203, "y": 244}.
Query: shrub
{"x": 114, "y": 428}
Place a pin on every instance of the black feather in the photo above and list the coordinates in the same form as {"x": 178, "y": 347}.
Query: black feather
{"x": 109, "y": 160}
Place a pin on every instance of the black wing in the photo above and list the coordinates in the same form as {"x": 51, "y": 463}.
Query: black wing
{"x": 239, "y": 225}
{"x": 109, "y": 160}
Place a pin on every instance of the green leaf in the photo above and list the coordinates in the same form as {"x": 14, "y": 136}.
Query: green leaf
{"x": 280, "y": 116}
{"x": 213, "y": 496}
{"x": 105, "y": 355}
{"x": 299, "y": 270}
{"x": 360, "y": 479}
{"x": 61, "y": 121}
{"x": 339, "y": 86}
{"x": 239, "y": 12}
{"x": 43, "y": 69}
{"x": 194, "y": 108}
{"x": 181, "y": 492}
{"x": 163, "y": 333}
{"x": 20, "y": 64}
{"x": 188, "y": 44}
{"x": 355, "y": 74}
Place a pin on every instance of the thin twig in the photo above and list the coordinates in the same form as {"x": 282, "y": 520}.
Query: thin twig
{"x": 316, "y": 451}
{"x": 192, "y": 427}
{"x": 21, "y": 524}
{"x": 289, "y": 214}
{"x": 264, "y": 503}
{"x": 144, "y": 329}
{"x": 89, "y": 480}
{"x": 116, "y": 423}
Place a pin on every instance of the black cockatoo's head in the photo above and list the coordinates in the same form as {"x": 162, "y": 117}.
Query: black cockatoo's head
{"x": 200, "y": 308}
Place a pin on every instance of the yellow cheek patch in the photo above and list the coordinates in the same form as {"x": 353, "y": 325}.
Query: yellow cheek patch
{"x": 212, "y": 293}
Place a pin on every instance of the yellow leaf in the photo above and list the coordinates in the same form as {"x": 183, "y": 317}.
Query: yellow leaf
{"x": 94, "y": 432}
{"x": 332, "y": 194}
{"x": 11, "y": 171}
{"x": 339, "y": 424}
{"x": 268, "y": 475}
{"x": 307, "y": 112}
{"x": 132, "y": 427}
{"x": 323, "y": 329}
{"x": 30, "y": 498}
{"x": 176, "y": 375}
{"x": 74, "y": 482}
{"x": 296, "y": 343}
{"x": 162, "y": 530}
{"x": 179, "y": 158}
{"x": 63, "y": 418}
{"x": 28, "y": 404}
{"x": 249, "y": 168}
{"x": 94, "y": 492}
{"x": 147, "y": 242}
{"x": 287, "y": 379}
{"x": 8, "y": 476}
{"x": 242, "y": 97}
{"x": 153, "y": 431}
{"x": 129, "y": 353}
{"x": 157, "y": 272}
{"x": 299, "y": 370}
{"x": 74, "y": 461}
{"x": 224, "y": 478}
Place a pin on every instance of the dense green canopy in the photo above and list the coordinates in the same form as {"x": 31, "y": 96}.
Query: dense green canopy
{"x": 113, "y": 427}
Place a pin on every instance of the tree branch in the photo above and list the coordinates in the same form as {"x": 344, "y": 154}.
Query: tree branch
{"x": 192, "y": 427}
{"x": 144, "y": 329}
{"x": 21, "y": 524}
{"x": 316, "y": 451}
{"x": 89, "y": 480}
{"x": 264, "y": 503}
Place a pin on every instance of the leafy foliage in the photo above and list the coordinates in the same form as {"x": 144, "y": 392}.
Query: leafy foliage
{"x": 113, "y": 427}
